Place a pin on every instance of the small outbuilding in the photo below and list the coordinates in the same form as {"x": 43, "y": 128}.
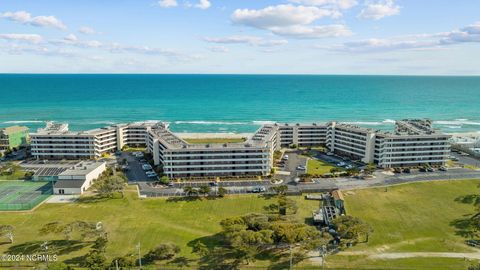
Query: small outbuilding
{"x": 78, "y": 178}
{"x": 338, "y": 200}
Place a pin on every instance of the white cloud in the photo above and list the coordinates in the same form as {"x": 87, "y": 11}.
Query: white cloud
{"x": 379, "y": 9}
{"x": 292, "y": 21}
{"x": 219, "y": 49}
{"x": 72, "y": 40}
{"x": 203, "y": 4}
{"x": 281, "y": 16}
{"x": 87, "y": 30}
{"x": 250, "y": 40}
{"x": 26, "y": 18}
{"x": 168, "y": 3}
{"x": 308, "y": 32}
{"x": 30, "y": 38}
{"x": 340, "y": 4}
{"x": 467, "y": 34}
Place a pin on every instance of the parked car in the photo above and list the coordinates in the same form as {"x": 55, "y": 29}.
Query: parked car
{"x": 397, "y": 170}
{"x": 301, "y": 168}
{"x": 213, "y": 184}
{"x": 430, "y": 169}
{"x": 406, "y": 170}
{"x": 443, "y": 169}
{"x": 285, "y": 157}
{"x": 146, "y": 167}
{"x": 151, "y": 174}
{"x": 330, "y": 154}
{"x": 259, "y": 189}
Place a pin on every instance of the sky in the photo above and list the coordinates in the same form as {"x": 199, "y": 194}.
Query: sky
{"x": 400, "y": 37}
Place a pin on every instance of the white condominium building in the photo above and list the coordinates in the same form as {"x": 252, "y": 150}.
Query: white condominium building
{"x": 55, "y": 141}
{"x": 413, "y": 143}
{"x": 181, "y": 159}
{"x": 302, "y": 135}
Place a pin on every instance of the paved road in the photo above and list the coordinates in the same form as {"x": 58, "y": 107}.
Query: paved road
{"x": 323, "y": 184}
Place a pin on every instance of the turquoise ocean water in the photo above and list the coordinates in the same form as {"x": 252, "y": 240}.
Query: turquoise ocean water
{"x": 238, "y": 103}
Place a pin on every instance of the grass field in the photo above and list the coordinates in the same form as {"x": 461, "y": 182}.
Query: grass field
{"x": 411, "y": 218}
{"x": 406, "y": 218}
{"x": 149, "y": 221}
{"x": 318, "y": 167}
{"x": 16, "y": 175}
{"x": 215, "y": 140}
{"x": 22, "y": 195}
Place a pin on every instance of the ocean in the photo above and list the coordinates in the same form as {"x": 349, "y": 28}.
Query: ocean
{"x": 238, "y": 103}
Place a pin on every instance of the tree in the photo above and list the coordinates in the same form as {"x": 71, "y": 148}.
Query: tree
{"x": 7, "y": 231}
{"x": 253, "y": 234}
{"x": 164, "y": 180}
{"x": 125, "y": 262}
{"x": 95, "y": 260}
{"x": 280, "y": 190}
{"x": 351, "y": 229}
{"x": 334, "y": 170}
{"x": 353, "y": 171}
{"x": 100, "y": 243}
{"x": 108, "y": 185}
{"x": 204, "y": 190}
{"x": 59, "y": 266}
{"x": 283, "y": 206}
{"x": 221, "y": 192}
{"x": 164, "y": 251}
{"x": 190, "y": 191}
{"x": 369, "y": 169}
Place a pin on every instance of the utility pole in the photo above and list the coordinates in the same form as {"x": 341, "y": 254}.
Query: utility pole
{"x": 139, "y": 256}
{"x": 116, "y": 264}
{"x": 291, "y": 257}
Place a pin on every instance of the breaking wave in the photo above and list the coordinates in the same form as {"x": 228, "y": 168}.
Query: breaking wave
{"x": 23, "y": 122}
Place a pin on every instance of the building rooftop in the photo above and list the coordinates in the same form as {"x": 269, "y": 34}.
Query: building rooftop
{"x": 82, "y": 168}
{"x": 69, "y": 184}
{"x": 259, "y": 139}
{"x": 13, "y": 129}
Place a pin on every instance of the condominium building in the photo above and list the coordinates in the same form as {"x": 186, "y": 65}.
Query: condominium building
{"x": 55, "y": 141}
{"x": 13, "y": 137}
{"x": 302, "y": 135}
{"x": 413, "y": 143}
{"x": 181, "y": 159}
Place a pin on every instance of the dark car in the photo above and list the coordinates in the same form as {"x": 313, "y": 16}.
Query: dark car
{"x": 406, "y": 170}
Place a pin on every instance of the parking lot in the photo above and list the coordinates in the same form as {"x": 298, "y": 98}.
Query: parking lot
{"x": 292, "y": 165}
{"x": 135, "y": 172}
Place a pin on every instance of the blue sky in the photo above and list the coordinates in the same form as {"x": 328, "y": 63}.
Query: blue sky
{"x": 418, "y": 37}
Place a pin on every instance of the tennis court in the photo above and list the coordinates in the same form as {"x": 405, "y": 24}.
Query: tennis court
{"x": 23, "y": 195}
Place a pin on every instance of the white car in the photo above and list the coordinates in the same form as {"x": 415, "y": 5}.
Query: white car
{"x": 151, "y": 174}
{"x": 285, "y": 157}
{"x": 146, "y": 167}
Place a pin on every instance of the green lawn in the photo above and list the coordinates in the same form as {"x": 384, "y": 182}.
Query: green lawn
{"x": 150, "y": 221}
{"x": 405, "y": 218}
{"x": 318, "y": 167}
{"x": 16, "y": 175}
{"x": 215, "y": 140}
{"x": 411, "y": 218}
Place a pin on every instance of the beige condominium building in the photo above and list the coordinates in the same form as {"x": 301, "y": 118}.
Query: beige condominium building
{"x": 413, "y": 143}
{"x": 55, "y": 141}
{"x": 181, "y": 159}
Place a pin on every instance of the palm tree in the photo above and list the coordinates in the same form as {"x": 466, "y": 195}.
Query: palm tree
{"x": 205, "y": 190}
{"x": 189, "y": 190}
